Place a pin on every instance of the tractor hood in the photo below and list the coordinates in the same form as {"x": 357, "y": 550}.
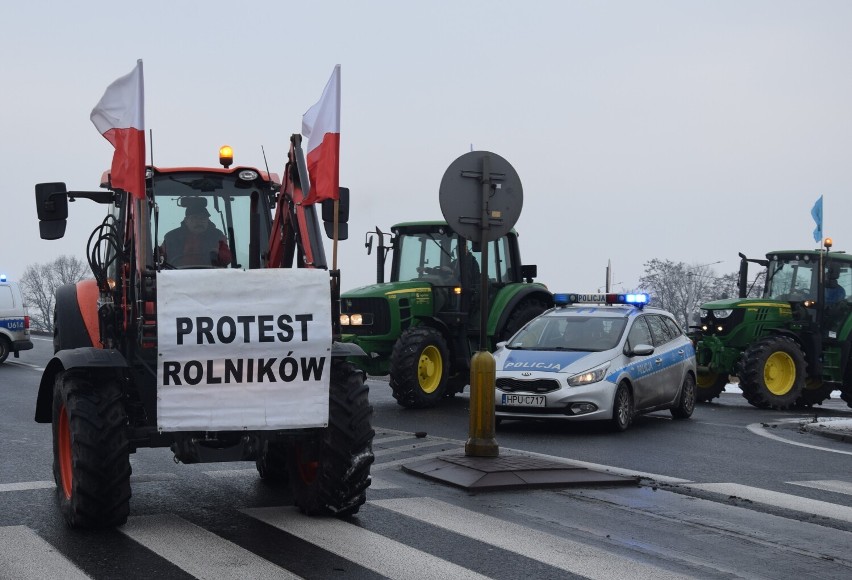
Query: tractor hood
{"x": 730, "y": 303}
{"x": 389, "y": 290}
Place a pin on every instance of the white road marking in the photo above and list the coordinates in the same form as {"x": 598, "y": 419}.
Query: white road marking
{"x": 573, "y": 557}
{"x": 363, "y": 547}
{"x": 26, "y": 485}
{"x": 759, "y": 429}
{"x": 198, "y": 551}
{"x": 827, "y": 485}
{"x": 24, "y": 555}
{"x": 778, "y": 499}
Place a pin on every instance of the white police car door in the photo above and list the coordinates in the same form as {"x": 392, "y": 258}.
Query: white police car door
{"x": 643, "y": 370}
{"x": 669, "y": 356}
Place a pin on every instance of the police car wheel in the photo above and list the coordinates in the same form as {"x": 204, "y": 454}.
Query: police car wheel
{"x": 4, "y": 349}
{"x": 686, "y": 401}
{"x": 622, "y": 408}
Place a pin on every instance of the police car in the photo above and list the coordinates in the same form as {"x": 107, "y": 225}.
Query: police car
{"x": 596, "y": 357}
{"x": 14, "y": 320}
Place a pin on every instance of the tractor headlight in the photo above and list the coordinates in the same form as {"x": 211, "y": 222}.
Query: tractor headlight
{"x": 720, "y": 314}
{"x": 588, "y": 377}
{"x": 704, "y": 313}
{"x": 351, "y": 320}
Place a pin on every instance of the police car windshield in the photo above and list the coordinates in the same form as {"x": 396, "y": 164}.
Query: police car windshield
{"x": 579, "y": 333}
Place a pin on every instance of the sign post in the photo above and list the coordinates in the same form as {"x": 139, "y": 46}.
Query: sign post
{"x": 481, "y": 199}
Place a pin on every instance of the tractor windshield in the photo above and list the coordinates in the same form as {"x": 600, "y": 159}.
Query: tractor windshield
{"x": 202, "y": 218}
{"x": 792, "y": 278}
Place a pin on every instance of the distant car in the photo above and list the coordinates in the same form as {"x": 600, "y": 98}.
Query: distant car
{"x": 14, "y": 320}
{"x": 596, "y": 357}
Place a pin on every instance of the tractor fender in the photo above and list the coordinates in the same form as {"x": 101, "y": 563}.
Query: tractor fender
{"x": 76, "y": 318}
{"x": 507, "y": 300}
{"x": 436, "y": 323}
{"x": 345, "y": 349}
{"x": 75, "y": 358}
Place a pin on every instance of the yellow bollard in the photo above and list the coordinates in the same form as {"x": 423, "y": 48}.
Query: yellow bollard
{"x": 482, "y": 441}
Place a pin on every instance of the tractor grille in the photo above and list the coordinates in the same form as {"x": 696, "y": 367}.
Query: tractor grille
{"x": 530, "y": 386}
{"x": 376, "y": 315}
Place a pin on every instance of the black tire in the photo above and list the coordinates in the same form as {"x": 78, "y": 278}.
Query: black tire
{"x": 846, "y": 395}
{"x": 710, "y": 385}
{"x": 273, "y": 465}
{"x": 330, "y": 470}
{"x": 686, "y": 400}
{"x": 772, "y": 373}
{"x": 419, "y": 368}
{"x": 523, "y": 313}
{"x": 5, "y": 348}
{"x": 814, "y": 393}
{"x": 91, "y": 457}
{"x": 622, "y": 409}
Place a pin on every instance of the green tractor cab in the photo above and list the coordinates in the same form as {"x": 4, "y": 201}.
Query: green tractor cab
{"x": 422, "y": 326}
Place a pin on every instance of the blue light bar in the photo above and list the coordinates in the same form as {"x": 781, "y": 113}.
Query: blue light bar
{"x": 563, "y": 299}
{"x": 2, "y": 277}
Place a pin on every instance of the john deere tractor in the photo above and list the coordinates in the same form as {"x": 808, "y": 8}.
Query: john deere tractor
{"x": 790, "y": 348}
{"x": 422, "y": 326}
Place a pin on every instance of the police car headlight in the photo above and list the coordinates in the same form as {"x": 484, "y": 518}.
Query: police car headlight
{"x": 720, "y": 314}
{"x": 588, "y": 377}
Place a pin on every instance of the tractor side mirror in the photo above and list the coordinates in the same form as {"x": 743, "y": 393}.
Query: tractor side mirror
{"x": 342, "y": 215}
{"x": 52, "y": 208}
{"x": 529, "y": 271}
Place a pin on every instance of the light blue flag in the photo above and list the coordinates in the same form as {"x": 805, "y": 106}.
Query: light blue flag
{"x": 816, "y": 213}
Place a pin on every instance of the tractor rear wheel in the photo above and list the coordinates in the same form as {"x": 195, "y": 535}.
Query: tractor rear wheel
{"x": 91, "y": 457}
{"x": 330, "y": 470}
{"x": 710, "y": 385}
{"x": 523, "y": 313}
{"x": 846, "y": 395}
{"x": 772, "y": 372}
{"x": 419, "y": 368}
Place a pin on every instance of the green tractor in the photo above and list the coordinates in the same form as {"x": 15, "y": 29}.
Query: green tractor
{"x": 789, "y": 348}
{"x": 422, "y": 327}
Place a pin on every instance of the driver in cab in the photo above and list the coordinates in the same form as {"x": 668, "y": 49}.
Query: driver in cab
{"x": 197, "y": 241}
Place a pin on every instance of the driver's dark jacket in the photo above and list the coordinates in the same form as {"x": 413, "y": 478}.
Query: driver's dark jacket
{"x": 184, "y": 248}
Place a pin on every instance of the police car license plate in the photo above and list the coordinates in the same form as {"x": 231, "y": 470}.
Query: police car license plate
{"x": 515, "y": 400}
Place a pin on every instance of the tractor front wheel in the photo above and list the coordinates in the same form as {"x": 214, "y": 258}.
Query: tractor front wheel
{"x": 91, "y": 457}
{"x": 330, "y": 470}
{"x": 419, "y": 368}
{"x": 772, "y": 373}
{"x": 710, "y": 385}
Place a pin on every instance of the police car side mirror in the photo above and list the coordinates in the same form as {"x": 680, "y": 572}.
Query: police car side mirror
{"x": 52, "y": 208}
{"x": 642, "y": 350}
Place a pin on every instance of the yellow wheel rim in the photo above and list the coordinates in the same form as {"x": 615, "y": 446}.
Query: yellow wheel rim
{"x": 429, "y": 369}
{"x": 779, "y": 373}
{"x": 705, "y": 380}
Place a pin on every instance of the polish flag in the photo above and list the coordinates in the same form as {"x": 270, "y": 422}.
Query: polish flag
{"x": 120, "y": 117}
{"x": 321, "y": 127}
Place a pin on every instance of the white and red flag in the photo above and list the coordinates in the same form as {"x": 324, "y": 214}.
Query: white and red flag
{"x": 321, "y": 127}
{"x": 120, "y": 117}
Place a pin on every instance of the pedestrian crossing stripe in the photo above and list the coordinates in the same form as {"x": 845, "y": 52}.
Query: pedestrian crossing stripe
{"x": 368, "y": 549}
{"x": 24, "y": 555}
{"x": 778, "y": 499}
{"x": 826, "y": 485}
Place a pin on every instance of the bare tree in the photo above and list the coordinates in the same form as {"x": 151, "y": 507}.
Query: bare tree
{"x": 682, "y": 288}
{"x": 40, "y": 282}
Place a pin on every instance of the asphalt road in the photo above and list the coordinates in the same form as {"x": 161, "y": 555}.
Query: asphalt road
{"x": 733, "y": 492}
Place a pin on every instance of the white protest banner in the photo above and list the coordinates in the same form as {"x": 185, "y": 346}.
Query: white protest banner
{"x": 243, "y": 350}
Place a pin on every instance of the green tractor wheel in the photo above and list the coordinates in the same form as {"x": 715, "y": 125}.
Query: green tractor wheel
{"x": 772, "y": 373}
{"x": 419, "y": 367}
{"x": 710, "y": 385}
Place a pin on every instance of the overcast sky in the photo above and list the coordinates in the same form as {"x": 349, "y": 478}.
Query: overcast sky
{"x": 680, "y": 130}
